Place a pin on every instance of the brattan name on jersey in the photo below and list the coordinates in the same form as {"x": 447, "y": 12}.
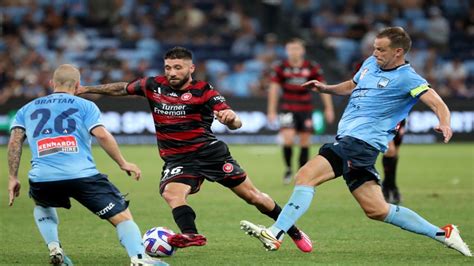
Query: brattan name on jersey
{"x": 48, "y": 146}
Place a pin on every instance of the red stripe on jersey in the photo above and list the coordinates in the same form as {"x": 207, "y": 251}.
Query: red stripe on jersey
{"x": 185, "y": 135}
{"x": 297, "y": 97}
{"x": 221, "y": 106}
{"x": 168, "y": 119}
{"x": 297, "y": 108}
{"x": 292, "y": 87}
{"x": 181, "y": 150}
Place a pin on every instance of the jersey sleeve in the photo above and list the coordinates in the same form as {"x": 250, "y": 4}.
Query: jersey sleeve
{"x": 137, "y": 87}
{"x": 414, "y": 84}
{"x": 276, "y": 75}
{"x": 19, "y": 120}
{"x": 216, "y": 102}
{"x": 317, "y": 73}
{"x": 91, "y": 116}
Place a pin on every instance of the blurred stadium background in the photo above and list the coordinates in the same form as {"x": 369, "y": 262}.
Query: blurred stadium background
{"x": 235, "y": 44}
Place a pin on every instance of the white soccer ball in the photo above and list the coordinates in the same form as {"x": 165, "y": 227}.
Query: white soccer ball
{"x": 156, "y": 243}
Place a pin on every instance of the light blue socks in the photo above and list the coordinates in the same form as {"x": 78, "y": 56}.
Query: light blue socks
{"x": 297, "y": 205}
{"x": 409, "y": 220}
{"x": 47, "y": 221}
{"x": 130, "y": 237}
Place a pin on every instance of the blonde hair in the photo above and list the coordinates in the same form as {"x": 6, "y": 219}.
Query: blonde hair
{"x": 66, "y": 76}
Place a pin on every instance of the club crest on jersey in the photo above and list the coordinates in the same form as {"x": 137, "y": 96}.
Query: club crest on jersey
{"x": 186, "y": 96}
{"x": 228, "y": 168}
{"x": 364, "y": 71}
{"x": 383, "y": 82}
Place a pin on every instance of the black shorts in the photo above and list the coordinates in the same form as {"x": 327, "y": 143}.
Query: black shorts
{"x": 300, "y": 121}
{"x": 352, "y": 158}
{"x": 96, "y": 193}
{"x": 398, "y": 139}
{"x": 212, "y": 162}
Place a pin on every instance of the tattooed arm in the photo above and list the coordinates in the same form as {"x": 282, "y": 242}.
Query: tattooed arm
{"x": 113, "y": 89}
{"x": 15, "y": 146}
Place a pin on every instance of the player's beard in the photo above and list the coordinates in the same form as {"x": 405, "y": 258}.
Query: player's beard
{"x": 179, "y": 85}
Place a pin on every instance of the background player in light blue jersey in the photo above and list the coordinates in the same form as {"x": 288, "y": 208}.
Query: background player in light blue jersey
{"x": 58, "y": 128}
{"x": 381, "y": 94}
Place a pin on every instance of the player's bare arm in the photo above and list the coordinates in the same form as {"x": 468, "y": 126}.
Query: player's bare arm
{"x": 434, "y": 101}
{"x": 344, "y": 88}
{"x": 328, "y": 108}
{"x": 228, "y": 118}
{"x": 15, "y": 147}
{"x": 108, "y": 143}
{"x": 113, "y": 89}
{"x": 272, "y": 101}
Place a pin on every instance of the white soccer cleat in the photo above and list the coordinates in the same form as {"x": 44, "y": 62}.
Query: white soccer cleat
{"x": 453, "y": 240}
{"x": 145, "y": 260}
{"x": 56, "y": 254}
{"x": 269, "y": 241}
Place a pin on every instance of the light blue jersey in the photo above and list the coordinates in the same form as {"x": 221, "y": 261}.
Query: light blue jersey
{"x": 58, "y": 132}
{"x": 381, "y": 99}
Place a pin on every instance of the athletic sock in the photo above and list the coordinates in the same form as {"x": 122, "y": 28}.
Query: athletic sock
{"x": 304, "y": 155}
{"x": 184, "y": 217}
{"x": 130, "y": 237}
{"x": 390, "y": 170}
{"x": 409, "y": 220}
{"x": 287, "y": 154}
{"x": 47, "y": 221}
{"x": 297, "y": 205}
{"x": 292, "y": 232}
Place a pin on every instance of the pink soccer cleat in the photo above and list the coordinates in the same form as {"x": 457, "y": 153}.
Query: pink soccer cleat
{"x": 302, "y": 241}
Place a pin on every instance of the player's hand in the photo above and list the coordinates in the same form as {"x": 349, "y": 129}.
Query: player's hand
{"x": 315, "y": 85}
{"x": 13, "y": 189}
{"x": 225, "y": 116}
{"x": 80, "y": 90}
{"x": 271, "y": 117}
{"x": 446, "y": 131}
{"x": 329, "y": 115}
{"x": 132, "y": 168}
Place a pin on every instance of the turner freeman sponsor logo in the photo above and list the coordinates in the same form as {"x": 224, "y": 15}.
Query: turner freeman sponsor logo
{"x": 49, "y": 146}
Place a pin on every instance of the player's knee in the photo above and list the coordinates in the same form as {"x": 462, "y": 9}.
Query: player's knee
{"x": 255, "y": 197}
{"x": 171, "y": 197}
{"x": 378, "y": 214}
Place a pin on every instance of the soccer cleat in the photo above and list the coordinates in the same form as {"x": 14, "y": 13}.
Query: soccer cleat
{"x": 287, "y": 177}
{"x": 453, "y": 240}
{"x": 302, "y": 241}
{"x": 145, "y": 260}
{"x": 56, "y": 255}
{"x": 270, "y": 243}
{"x": 187, "y": 240}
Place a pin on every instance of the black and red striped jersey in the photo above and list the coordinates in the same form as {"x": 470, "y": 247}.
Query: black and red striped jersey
{"x": 296, "y": 98}
{"x": 182, "y": 118}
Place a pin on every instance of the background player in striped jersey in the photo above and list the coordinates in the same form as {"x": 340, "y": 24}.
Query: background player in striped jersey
{"x": 296, "y": 102}
{"x": 390, "y": 162}
{"x": 183, "y": 110}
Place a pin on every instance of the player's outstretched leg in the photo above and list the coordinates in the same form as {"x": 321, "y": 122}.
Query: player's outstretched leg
{"x": 411, "y": 221}
{"x": 47, "y": 220}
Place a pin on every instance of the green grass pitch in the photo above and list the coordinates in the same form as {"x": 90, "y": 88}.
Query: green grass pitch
{"x": 437, "y": 181}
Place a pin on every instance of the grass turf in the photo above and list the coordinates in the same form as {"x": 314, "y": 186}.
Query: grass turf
{"x": 437, "y": 181}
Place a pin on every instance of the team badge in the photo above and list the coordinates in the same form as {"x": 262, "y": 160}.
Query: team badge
{"x": 383, "y": 82}
{"x": 227, "y": 168}
{"x": 363, "y": 73}
{"x": 186, "y": 96}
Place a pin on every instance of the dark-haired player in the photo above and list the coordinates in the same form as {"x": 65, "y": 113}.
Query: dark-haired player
{"x": 183, "y": 110}
{"x": 389, "y": 162}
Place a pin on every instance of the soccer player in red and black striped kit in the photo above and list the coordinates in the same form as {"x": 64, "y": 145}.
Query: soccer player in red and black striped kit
{"x": 296, "y": 104}
{"x": 183, "y": 110}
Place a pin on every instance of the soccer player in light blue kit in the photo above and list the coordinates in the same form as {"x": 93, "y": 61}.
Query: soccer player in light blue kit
{"x": 381, "y": 93}
{"x": 58, "y": 128}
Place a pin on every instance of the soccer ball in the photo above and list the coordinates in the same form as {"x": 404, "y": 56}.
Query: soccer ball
{"x": 156, "y": 243}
